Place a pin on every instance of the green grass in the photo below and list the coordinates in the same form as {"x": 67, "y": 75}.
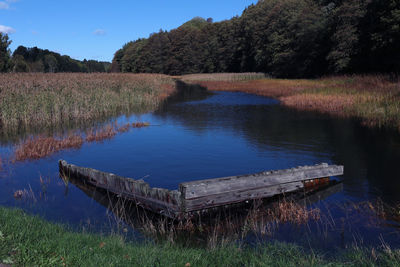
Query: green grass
{"x": 26, "y": 240}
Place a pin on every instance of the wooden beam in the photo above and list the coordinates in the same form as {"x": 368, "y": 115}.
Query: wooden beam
{"x": 232, "y": 197}
{"x": 159, "y": 200}
{"x": 204, "y": 194}
{"x": 202, "y": 188}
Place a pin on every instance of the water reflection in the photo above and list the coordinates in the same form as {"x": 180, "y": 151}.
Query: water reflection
{"x": 199, "y": 135}
{"x": 249, "y": 221}
{"x": 369, "y": 155}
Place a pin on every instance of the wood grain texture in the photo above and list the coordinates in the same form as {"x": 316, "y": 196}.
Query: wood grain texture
{"x": 196, "y": 189}
{"x": 204, "y": 194}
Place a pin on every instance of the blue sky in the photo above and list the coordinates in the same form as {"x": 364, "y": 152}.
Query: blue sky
{"x": 96, "y": 29}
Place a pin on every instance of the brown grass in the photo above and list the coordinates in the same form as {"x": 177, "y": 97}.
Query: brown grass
{"x": 291, "y": 212}
{"x": 140, "y": 124}
{"x": 123, "y": 128}
{"x": 218, "y": 227}
{"x": 374, "y": 210}
{"x": 39, "y": 147}
{"x": 227, "y": 77}
{"x": 267, "y": 87}
{"x": 374, "y": 99}
{"x": 37, "y": 100}
{"x": 331, "y": 104}
{"x": 99, "y": 135}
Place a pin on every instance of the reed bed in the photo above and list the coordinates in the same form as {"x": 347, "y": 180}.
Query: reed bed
{"x": 228, "y": 77}
{"x": 34, "y": 100}
{"x": 291, "y": 212}
{"x": 123, "y": 128}
{"x": 213, "y": 228}
{"x": 373, "y": 99}
{"x": 108, "y": 132}
{"x": 40, "y": 147}
{"x": 140, "y": 124}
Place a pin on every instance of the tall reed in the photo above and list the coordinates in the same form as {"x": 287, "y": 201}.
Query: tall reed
{"x": 47, "y": 100}
{"x": 230, "y": 77}
{"x": 39, "y": 147}
{"x": 374, "y": 99}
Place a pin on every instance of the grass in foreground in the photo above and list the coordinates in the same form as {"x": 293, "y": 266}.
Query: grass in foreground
{"x": 33, "y": 100}
{"x": 30, "y": 241}
{"x": 373, "y": 99}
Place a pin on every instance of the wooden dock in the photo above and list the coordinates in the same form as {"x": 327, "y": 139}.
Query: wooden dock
{"x": 204, "y": 194}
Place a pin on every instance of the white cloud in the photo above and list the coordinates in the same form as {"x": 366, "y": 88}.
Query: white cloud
{"x": 4, "y": 5}
{"x": 99, "y": 32}
{"x": 6, "y": 29}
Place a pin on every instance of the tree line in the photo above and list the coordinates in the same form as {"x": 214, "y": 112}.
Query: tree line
{"x": 34, "y": 59}
{"x": 284, "y": 38}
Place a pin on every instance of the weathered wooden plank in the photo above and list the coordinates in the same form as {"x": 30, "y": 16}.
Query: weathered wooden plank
{"x": 159, "y": 200}
{"x": 204, "y": 194}
{"x": 196, "y": 189}
{"x": 237, "y": 196}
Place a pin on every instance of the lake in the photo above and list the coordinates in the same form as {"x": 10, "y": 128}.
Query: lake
{"x": 207, "y": 135}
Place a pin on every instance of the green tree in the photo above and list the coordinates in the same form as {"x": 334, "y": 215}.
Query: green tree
{"x": 4, "y": 53}
{"x": 50, "y": 63}
{"x": 19, "y": 64}
{"x": 345, "y": 40}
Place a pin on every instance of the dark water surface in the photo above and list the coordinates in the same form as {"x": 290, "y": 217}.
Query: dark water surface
{"x": 220, "y": 135}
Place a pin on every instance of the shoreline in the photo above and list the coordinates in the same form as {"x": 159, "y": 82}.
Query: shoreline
{"x": 374, "y": 100}
{"x": 30, "y": 240}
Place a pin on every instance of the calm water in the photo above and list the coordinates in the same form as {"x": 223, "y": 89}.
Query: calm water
{"x": 222, "y": 134}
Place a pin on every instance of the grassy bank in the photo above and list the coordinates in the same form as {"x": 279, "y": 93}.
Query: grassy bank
{"x": 30, "y": 241}
{"x": 32, "y": 100}
{"x": 375, "y": 100}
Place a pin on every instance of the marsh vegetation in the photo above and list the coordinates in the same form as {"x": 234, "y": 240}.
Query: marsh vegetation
{"x": 39, "y": 100}
{"x": 374, "y": 99}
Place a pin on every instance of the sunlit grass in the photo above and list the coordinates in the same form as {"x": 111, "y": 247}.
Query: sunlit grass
{"x": 48, "y": 100}
{"x": 227, "y": 77}
{"x": 374, "y": 99}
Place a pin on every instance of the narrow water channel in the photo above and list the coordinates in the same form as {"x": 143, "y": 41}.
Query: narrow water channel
{"x": 221, "y": 134}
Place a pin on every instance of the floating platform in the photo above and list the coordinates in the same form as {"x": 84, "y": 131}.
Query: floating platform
{"x": 205, "y": 194}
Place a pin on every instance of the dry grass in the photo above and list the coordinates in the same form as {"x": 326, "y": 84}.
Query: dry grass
{"x": 140, "y": 124}
{"x": 376, "y": 211}
{"x": 291, "y": 212}
{"x": 228, "y": 77}
{"x": 123, "y": 128}
{"x": 34, "y": 100}
{"x": 26, "y": 195}
{"x": 331, "y": 104}
{"x": 39, "y": 147}
{"x": 373, "y": 99}
{"x": 108, "y": 132}
{"x": 211, "y": 228}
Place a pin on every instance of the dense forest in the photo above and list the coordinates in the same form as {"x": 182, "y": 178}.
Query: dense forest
{"x": 284, "y": 38}
{"x": 34, "y": 59}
